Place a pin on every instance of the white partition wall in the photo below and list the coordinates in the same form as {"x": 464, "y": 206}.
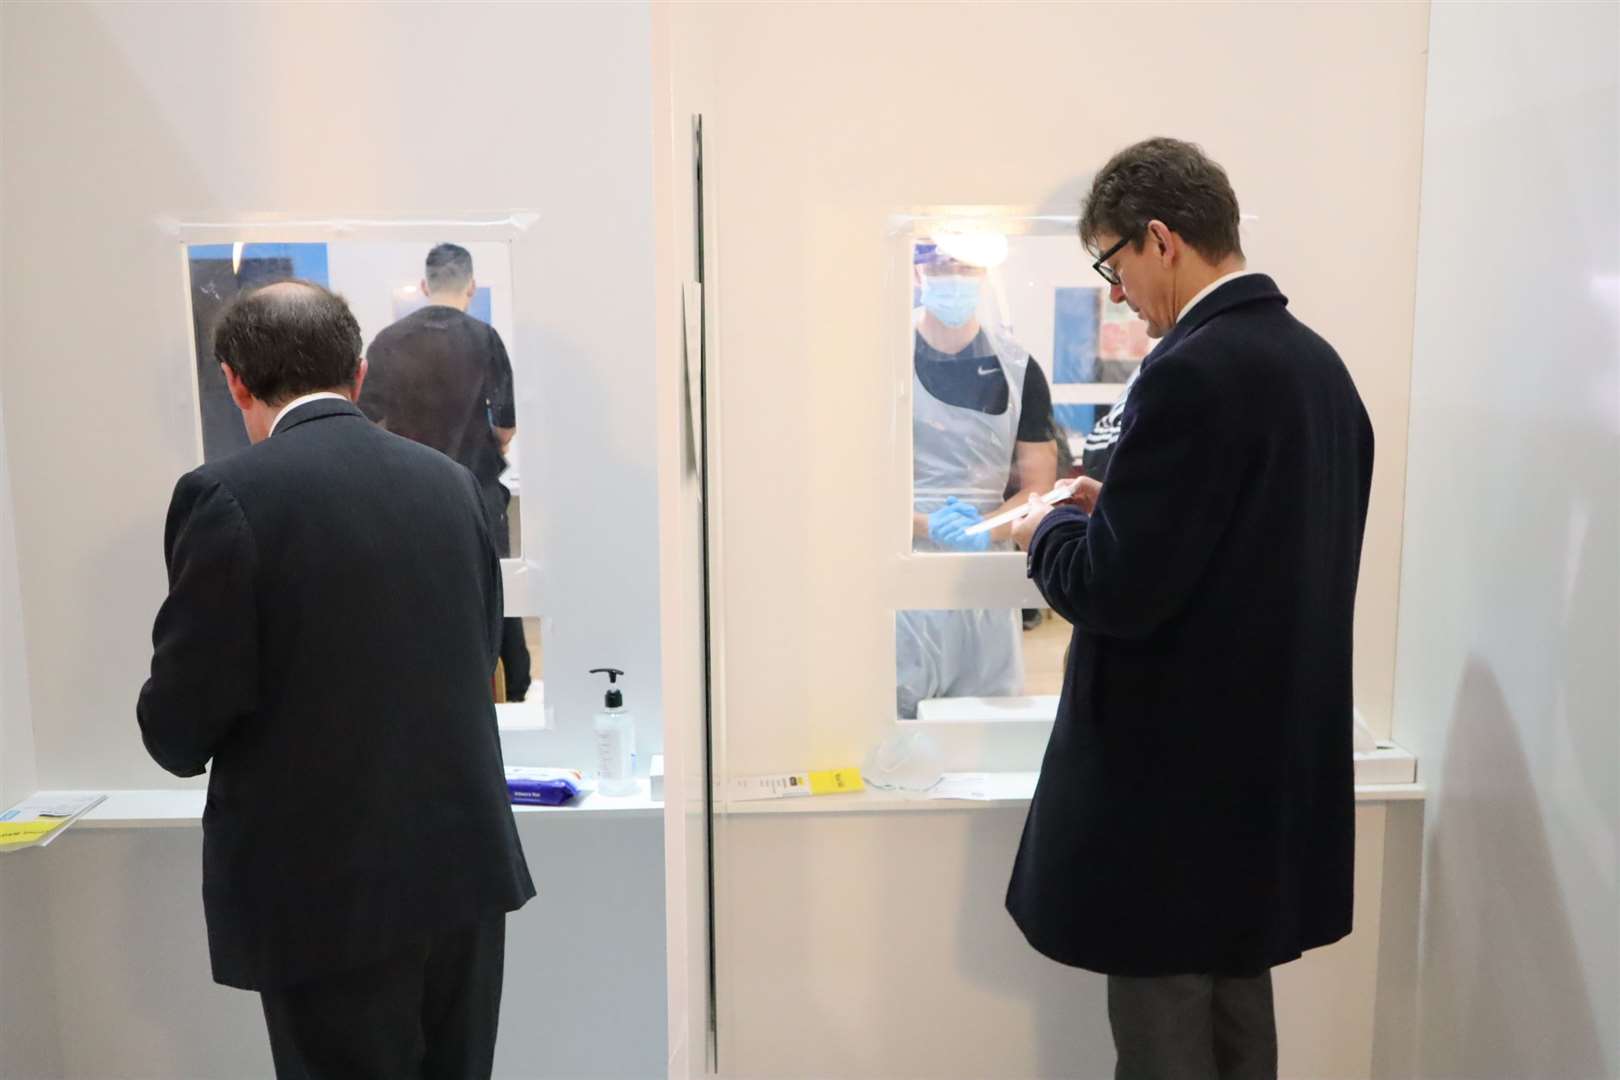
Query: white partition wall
{"x": 1507, "y": 681}
{"x": 212, "y": 113}
{"x": 873, "y": 944}
{"x": 16, "y": 723}
{"x": 20, "y": 948}
{"x": 116, "y": 117}
{"x": 804, "y": 172}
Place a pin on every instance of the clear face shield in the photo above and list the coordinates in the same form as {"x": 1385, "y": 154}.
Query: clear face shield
{"x": 957, "y": 288}
{"x": 959, "y": 298}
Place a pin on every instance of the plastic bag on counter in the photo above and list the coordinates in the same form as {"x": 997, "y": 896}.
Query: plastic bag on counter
{"x": 534, "y": 786}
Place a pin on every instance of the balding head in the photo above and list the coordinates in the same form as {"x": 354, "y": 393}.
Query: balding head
{"x": 288, "y": 339}
{"x": 291, "y": 290}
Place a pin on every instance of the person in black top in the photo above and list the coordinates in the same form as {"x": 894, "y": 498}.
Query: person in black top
{"x": 442, "y": 378}
{"x": 964, "y": 379}
{"x": 325, "y": 652}
{"x": 1099, "y": 445}
{"x": 981, "y": 424}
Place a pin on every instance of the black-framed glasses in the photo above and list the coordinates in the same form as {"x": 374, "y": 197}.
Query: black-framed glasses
{"x": 1106, "y": 272}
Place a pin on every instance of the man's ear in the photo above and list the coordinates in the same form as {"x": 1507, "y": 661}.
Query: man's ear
{"x": 423, "y": 286}
{"x": 359, "y": 378}
{"x": 472, "y": 288}
{"x": 239, "y": 391}
{"x": 1162, "y": 244}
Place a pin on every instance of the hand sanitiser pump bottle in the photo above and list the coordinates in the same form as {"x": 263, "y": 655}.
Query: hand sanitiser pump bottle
{"x": 615, "y": 741}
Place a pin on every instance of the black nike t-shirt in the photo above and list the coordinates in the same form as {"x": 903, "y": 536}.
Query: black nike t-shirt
{"x": 974, "y": 379}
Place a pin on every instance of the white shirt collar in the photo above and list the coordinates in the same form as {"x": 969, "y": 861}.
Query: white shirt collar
{"x": 295, "y": 402}
{"x": 1211, "y": 287}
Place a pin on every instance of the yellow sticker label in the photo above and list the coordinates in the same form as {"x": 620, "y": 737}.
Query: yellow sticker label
{"x": 23, "y": 833}
{"x": 835, "y": 781}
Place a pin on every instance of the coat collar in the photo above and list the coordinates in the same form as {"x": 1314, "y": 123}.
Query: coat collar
{"x": 1248, "y": 289}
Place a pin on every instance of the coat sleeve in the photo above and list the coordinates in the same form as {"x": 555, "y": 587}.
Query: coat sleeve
{"x": 1131, "y": 565}
{"x": 205, "y": 663}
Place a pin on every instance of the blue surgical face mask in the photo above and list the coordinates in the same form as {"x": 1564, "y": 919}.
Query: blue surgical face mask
{"x": 949, "y": 298}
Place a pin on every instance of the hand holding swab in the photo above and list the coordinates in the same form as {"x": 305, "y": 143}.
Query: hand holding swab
{"x": 1063, "y": 492}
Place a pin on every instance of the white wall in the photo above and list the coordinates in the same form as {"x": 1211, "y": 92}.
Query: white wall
{"x": 19, "y": 944}
{"x": 862, "y": 948}
{"x": 16, "y": 723}
{"x": 16, "y": 720}
{"x": 804, "y": 173}
{"x": 824, "y": 120}
{"x": 1507, "y": 680}
{"x": 207, "y": 112}
{"x": 110, "y": 980}
{"x": 115, "y": 116}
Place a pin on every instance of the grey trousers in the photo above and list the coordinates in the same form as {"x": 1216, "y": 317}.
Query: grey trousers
{"x": 1193, "y": 1027}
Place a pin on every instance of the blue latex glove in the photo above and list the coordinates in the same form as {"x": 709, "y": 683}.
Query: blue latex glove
{"x": 948, "y": 524}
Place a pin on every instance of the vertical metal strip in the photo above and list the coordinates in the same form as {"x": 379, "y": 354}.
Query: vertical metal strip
{"x": 702, "y": 420}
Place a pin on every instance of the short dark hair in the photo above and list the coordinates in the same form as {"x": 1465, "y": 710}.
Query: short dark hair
{"x": 449, "y": 266}
{"x": 1167, "y": 179}
{"x": 283, "y": 343}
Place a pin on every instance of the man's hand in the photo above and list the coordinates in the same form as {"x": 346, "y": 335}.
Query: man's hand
{"x": 1086, "y": 490}
{"x": 1085, "y": 494}
{"x": 1023, "y": 530}
{"x": 503, "y": 435}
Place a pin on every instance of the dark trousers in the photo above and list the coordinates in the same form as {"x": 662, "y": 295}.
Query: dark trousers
{"x": 429, "y": 1012}
{"x": 514, "y": 648}
{"x": 1193, "y": 1027}
{"x": 515, "y": 659}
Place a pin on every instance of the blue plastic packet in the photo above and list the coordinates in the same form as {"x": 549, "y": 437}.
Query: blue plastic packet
{"x": 529, "y": 786}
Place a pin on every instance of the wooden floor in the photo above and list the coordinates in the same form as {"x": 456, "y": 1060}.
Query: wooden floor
{"x": 1044, "y": 647}
{"x": 531, "y": 635}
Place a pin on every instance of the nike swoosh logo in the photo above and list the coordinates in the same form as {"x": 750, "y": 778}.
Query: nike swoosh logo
{"x": 993, "y": 369}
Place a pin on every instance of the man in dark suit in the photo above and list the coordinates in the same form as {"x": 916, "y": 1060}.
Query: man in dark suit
{"x": 1194, "y": 821}
{"x": 328, "y": 642}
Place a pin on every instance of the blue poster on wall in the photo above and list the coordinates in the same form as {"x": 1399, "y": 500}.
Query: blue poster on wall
{"x": 265, "y": 262}
{"x": 219, "y": 273}
{"x": 479, "y": 307}
{"x": 1075, "y": 419}
{"x": 1075, "y": 315}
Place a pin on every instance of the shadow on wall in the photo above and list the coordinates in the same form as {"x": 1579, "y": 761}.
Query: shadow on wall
{"x": 89, "y": 519}
{"x": 90, "y": 507}
{"x": 1521, "y": 953}
{"x": 1505, "y": 998}
{"x": 1513, "y": 524}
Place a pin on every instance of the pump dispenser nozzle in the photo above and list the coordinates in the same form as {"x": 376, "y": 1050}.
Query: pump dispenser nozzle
{"x": 613, "y": 699}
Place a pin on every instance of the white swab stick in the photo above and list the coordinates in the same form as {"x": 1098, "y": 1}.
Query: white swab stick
{"x": 1064, "y": 490}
